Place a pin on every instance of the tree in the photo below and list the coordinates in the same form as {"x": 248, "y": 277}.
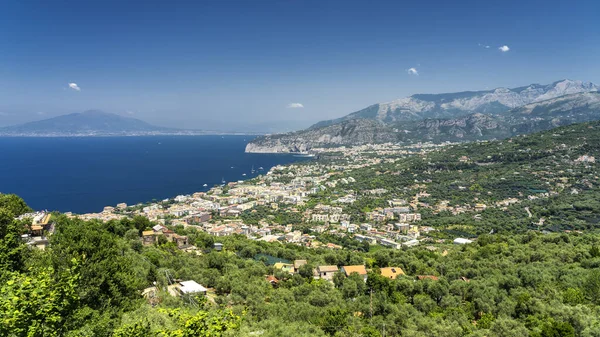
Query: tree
{"x": 335, "y": 319}
{"x": 39, "y": 304}
{"x": 12, "y": 247}
{"x": 557, "y": 329}
{"x": 202, "y": 323}
{"x": 306, "y": 271}
{"x": 13, "y": 204}
{"x": 106, "y": 269}
{"x": 592, "y": 286}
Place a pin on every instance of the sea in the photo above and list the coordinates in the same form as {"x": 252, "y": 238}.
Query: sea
{"x": 84, "y": 174}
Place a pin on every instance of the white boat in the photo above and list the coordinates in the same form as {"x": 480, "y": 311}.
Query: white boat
{"x": 205, "y": 185}
{"x": 252, "y": 169}
{"x": 304, "y": 155}
{"x": 244, "y": 174}
{"x": 260, "y": 168}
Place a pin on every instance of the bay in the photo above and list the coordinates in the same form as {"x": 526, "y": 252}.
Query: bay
{"x": 85, "y": 174}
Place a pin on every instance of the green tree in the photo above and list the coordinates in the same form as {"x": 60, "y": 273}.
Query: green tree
{"x": 13, "y": 204}
{"x": 39, "y": 304}
{"x": 12, "y": 248}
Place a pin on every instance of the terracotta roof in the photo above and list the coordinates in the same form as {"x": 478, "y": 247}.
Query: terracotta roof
{"x": 430, "y": 277}
{"x": 391, "y": 272}
{"x": 355, "y": 269}
{"x": 272, "y": 279}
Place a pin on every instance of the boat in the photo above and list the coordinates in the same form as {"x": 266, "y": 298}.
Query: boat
{"x": 204, "y": 185}
{"x": 223, "y": 180}
{"x": 304, "y": 155}
{"x": 244, "y": 174}
{"x": 260, "y": 168}
{"x": 252, "y": 169}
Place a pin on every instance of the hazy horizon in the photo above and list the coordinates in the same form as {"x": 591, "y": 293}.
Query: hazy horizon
{"x": 279, "y": 64}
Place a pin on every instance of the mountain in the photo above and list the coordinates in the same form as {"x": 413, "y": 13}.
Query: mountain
{"x": 469, "y": 115}
{"x": 88, "y": 123}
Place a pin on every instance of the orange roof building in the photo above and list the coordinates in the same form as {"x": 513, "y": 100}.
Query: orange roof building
{"x": 391, "y": 272}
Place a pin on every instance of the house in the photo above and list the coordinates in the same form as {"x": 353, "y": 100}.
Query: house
{"x": 200, "y": 218}
{"x": 359, "y": 269}
{"x": 190, "y": 287}
{"x": 272, "y": 279}
{"x": 38, "y": 242}
{"x": 390, "y": 243}
{"x": 391, "y": 272}
{"x": 298, "y": 264}
{"x": 364, "y": 238}
{"x": 286, "y": 267}
{"x": 480, "y": 207}
{"x": 180, "y": 240}
{"x": 410, "y": 243}
{"x": 148, "y": 237}
{"x": 325, "y": 272}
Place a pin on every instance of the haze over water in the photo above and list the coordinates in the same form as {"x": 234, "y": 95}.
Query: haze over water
{"x": 85, "y": 174}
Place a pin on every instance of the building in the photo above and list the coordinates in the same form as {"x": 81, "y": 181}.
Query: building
{"x": 390, "y": 243}
{"x": 391, "y": 272}
{"x": 189, "y": 288}
{"x": 148, "y": 237}
{"x": 411, "y": 243}
{"x": 298, "y": 264}
{"x": 359, "y": 269}
{"x": 462, "y": 241}
{"x": 364, "y": 238}
{"x": 325, "y": 272}
{"x": 286, "y": 267}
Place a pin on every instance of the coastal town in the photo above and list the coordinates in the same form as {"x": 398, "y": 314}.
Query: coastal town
{"x": 314, "y": 203}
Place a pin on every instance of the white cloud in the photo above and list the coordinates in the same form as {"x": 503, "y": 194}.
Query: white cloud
{"x": 504, "y": 48}
{"x": 74, "y": 86}
{"x": 412, "y": 71}
{"x": 483, "y": 46}
{"x": 41, "y": 113}
{"x": 295, "y": 105}
{"x": 129, "y": 112}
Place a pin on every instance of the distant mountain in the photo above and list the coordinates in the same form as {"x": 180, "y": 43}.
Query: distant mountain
{"x": 459, "y": 116}
{"x": 91, "y": 123}
{"x": 450, "y": 105}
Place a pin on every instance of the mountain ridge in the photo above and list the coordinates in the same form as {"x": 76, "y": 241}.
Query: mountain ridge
{"x": 95, "y": 123}
{"x": 445, "y": 117}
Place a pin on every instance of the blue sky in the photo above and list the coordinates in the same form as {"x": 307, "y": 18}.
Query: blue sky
{"x": 218, "y": 64}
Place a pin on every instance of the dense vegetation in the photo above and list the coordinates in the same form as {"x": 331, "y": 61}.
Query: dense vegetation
{"x": 541, "y": 171}
{"x": 88, "y": 282}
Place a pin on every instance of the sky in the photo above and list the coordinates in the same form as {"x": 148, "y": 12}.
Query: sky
{"x": 285, "y": 64}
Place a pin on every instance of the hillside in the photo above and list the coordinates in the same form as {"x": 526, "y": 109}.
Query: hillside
{"x": 460, "y": 116}
{"x": 529, "y": 269}
{"x": 547, "y": 180}
{"x": 88, "y": 123}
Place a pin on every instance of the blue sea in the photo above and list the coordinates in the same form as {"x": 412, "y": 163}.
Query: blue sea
{"x": 85, "y": 174}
